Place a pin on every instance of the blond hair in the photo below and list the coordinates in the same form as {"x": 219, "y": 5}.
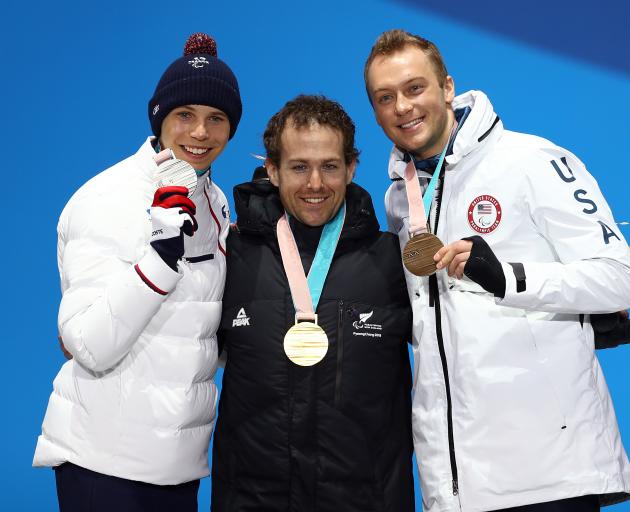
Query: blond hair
{"x": 396, "y": 40}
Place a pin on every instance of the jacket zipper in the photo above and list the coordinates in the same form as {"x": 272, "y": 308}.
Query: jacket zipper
{"x": 434, "y": 301}
{"x": 339, "y": 355}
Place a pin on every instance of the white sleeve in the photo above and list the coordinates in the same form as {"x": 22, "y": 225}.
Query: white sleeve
{"x": 395, "y": 208}
{"x": 107, "y": 300}
{"x": 592, "y": 271}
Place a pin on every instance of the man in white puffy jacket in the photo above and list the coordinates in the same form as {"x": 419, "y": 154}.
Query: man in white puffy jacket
{"x": 142, "y": 271}
{"x": 510, "y": 406}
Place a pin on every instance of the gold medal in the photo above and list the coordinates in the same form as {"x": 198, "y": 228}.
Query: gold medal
{"x": 418, "y": 254}
{"x": 306, "y": 343}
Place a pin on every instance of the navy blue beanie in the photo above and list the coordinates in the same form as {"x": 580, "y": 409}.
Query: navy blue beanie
{"x": 197, "y": 78}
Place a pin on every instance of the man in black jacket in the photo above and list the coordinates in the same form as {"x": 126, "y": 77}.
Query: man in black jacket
{"x": 336, "y": 435}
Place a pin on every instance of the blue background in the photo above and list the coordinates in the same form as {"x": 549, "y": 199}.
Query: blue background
{"x": 76, "y": 78}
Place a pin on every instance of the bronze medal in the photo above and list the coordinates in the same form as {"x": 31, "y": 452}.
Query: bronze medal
{"x": 305, "y": 343}
{"x": 418, "y": 254}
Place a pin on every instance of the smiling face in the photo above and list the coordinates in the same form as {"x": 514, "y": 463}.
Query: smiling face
{"x": 312, "y": 175}
{"x": 196, "y": 134}
{"x": 409, "y": 104}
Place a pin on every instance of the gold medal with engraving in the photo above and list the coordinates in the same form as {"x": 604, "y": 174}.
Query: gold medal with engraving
{"x": 418, "y": 254}
{"x": 306, "y": 343}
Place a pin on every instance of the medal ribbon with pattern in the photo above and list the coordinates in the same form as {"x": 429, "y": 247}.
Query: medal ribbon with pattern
{"x": 306, "y": 342}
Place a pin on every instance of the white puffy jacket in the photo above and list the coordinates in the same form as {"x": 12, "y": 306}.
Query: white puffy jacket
{"x": 510, "y": 405}
{"x": 138, "y": 400}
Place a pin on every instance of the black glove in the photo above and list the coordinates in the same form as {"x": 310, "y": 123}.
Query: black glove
{"x": 484, "y": 268}
{"x": 172, "y": 215}
{"x": 611, "y": 329}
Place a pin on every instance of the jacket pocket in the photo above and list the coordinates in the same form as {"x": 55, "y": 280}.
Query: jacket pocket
{"x": 500, "y": 376}
{"x": 545, "y": 367}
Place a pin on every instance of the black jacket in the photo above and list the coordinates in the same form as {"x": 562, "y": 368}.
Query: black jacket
{"x": 335, "y": 436}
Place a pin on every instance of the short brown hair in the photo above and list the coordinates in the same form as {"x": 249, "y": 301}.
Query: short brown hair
{"x": 303, "y": 111}
{"x": 396, "y": 40}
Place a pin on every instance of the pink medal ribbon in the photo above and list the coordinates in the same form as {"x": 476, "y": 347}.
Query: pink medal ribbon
{"x": 417, "y": 213}
{"x": 418, "y": 205}
{"x": 295, "y": 272}
{"x": 163, "y": 156}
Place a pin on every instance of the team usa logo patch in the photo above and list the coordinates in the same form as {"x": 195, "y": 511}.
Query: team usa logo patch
{"x": 484, "y": 214}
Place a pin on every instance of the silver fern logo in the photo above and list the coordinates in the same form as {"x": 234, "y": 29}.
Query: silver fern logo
{"x": 362, "y": 326}
{"x": 363, "y": 317}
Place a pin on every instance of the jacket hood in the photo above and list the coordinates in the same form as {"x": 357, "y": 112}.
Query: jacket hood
{"x": 480, "y": 122}
{"x": 258, "y": 208}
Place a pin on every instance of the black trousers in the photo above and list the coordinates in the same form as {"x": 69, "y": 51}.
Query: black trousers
{"x": 581, "y": 504}
{"x": 82, "y": 490}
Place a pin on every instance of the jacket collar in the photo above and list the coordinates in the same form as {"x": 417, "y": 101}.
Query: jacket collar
{"x": 258, "y": 209}
{"x": 480, "y": 122}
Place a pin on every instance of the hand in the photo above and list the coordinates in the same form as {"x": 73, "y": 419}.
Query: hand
{"x": 611, "y": 329}
{"x": 453, "y": 257}
{"x": 66, "y": 354}
{"x": 473, "y": 258}
{"x": 172, "y": 215}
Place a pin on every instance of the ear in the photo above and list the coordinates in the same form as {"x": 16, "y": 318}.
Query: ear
{"x": 449, "y": 90}
{"x": 272, "y": 171}
{"x": 350, "y": 171}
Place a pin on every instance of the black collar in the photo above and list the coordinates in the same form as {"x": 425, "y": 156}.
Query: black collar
{"x": 258, "y": 208}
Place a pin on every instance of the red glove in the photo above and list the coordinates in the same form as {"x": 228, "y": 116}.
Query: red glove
{"x": 172, "y": 215}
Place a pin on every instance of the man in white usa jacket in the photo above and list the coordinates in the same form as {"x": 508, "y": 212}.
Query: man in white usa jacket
{"x": 130, "y": 417}
{"x": 510, "y": 406}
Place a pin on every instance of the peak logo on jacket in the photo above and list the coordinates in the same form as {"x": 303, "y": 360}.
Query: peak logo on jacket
{"x": 361, "y": 327}
{"x": 484, "y": 214}
{"x": 241, "y": 319}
